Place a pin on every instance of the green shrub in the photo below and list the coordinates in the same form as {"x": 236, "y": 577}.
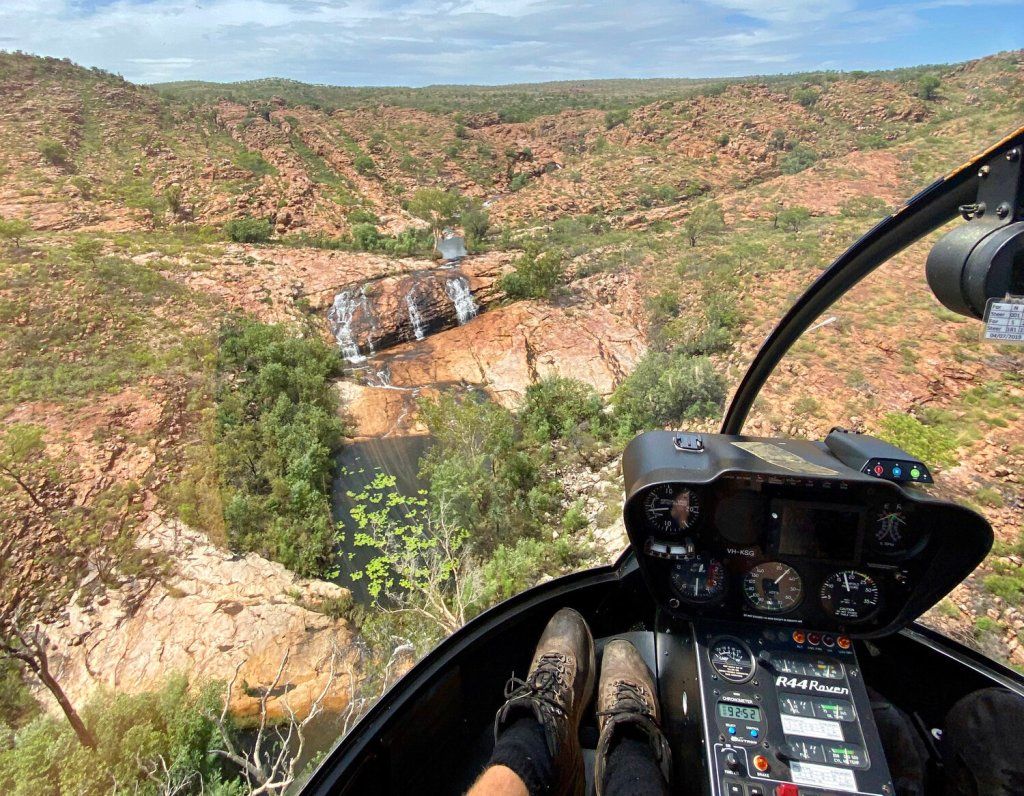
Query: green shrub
{"x": 662, "y": 307}
{"x": 14, "y": 229}
{"x": 84, "y": 185}
{"x": 479, "y": 467}
{"x": 515, "y": 567}
{"x": 986, "y": 625}
{"x": 254, "y": 162}
{"x": 928, "y": 87}
{"x": 17, "y": 705}
{"x": 705, "y": 219}
{"x": 364, "y": 165}
{"x": 248, "y": 230}
{"x": 537, "y": 274}
{"x": 798, "y": 159}
{"x": 667, "y": 388}
{"x": 133, "y": 733}
{"x": 574, "y": 519}
{"x": 657, "y": 195}
{"x": 362, "y": 216}
{"x": 616, "y": 117}
{"x": 365, "y": 237}
{"x": 476, "y": 222}
{"x": 512, "y": 569}
{"x": 1006, "y": 586}
{"x": 931, "y": 444}
{"x": 722, "y": 140}
{"x": 806, "y": 405}
{"x": 87, "y": 249}
{"x": 792, "y": 218}
{"x": 173, "y": 198}
{"x": 805, "y": 96}
{"x": 519, "y": 181}
{"x": 557, "y": 408}
{"x": 987, "y": 496}
{"x": 53, "y": 152}
{"x": 277, "y": 430}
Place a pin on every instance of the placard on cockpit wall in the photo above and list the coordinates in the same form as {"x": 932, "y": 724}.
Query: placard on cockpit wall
{"x": 1004, "y": 320}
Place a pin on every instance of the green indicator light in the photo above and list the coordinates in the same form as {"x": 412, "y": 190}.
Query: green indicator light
{"x": 915, "y": 473}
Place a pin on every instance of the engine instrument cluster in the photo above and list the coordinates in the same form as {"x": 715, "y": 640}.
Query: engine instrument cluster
{"x": 781, "y": 531}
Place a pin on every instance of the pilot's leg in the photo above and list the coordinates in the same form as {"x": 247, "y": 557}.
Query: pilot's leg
{"x": 982, "y": 745}
{"x": 905, "y": 751}
{"x": 537, "y": 747}
{"x": 633, "y": 756}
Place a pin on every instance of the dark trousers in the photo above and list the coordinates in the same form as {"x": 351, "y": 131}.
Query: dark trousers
{"x": 631, "y": 769}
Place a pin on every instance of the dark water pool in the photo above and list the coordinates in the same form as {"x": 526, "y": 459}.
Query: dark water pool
{"x": 358, "y": 464}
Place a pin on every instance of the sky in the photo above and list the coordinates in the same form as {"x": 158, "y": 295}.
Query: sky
{"x": 422, "y": 42}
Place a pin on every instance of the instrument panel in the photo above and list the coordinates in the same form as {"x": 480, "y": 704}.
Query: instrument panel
{"x": 830, "y": 548}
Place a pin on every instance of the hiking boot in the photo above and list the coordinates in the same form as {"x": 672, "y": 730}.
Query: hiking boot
{"x": 557, "y": 689}
{"x": 627, "y": 704}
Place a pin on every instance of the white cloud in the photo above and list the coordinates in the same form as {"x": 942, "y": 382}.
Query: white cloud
{"x": 424, "y": 41}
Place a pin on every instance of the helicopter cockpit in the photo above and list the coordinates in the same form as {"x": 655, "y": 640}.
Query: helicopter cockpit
{"x": 772, "y": 585}
{"x": 767, "y": 557}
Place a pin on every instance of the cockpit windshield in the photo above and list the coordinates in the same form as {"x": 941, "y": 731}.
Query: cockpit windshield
{"x": 889, "y": 360}
{"x": 298, "y": 378}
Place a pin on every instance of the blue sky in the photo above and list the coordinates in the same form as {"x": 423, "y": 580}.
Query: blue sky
{"x": 418, "y": 42}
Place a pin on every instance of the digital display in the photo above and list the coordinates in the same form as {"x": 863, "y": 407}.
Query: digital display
{"x": 817, "y": 530}
{"x": 727, "y": 710}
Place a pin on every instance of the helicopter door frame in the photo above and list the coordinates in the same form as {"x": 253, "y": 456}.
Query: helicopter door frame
{"x": 936, "y": 205}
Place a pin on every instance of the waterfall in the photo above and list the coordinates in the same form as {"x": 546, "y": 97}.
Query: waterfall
{"x": 379, "y": 378}
{"x": 340, "y": 317}
{"x": 458, "y": 291}
{"x": 364, "y": 301}
{"x": 414, "y": 315}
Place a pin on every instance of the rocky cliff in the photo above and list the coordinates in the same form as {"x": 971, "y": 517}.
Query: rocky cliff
{"x": 213, "y": 613}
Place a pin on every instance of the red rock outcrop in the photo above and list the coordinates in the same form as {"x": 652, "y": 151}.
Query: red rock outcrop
{"x": 509, "y": 348}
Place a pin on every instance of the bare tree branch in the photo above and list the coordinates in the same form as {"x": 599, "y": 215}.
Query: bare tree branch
{"x": 29, "y": 648}
{"x": 270, "y": 766}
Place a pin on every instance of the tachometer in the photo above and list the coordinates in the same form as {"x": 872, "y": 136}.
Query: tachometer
{"x": 850, "y": 595}
{"x": 670, "y": 508}
{"x": 773, "y": 587}
{"x": 698, "y": 579}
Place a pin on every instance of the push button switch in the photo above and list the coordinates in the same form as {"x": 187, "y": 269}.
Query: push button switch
{"x": 734, "y": 789}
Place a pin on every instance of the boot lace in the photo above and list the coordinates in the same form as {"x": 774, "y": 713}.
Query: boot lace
{"x": 543, "y": 684}
{"x": 629, "y": 698}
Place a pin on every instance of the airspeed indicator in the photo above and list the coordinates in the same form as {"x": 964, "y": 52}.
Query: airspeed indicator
{"x": 773, "y": 587}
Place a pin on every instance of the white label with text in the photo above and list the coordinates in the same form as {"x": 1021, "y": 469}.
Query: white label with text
{"x": 812, "y": 728}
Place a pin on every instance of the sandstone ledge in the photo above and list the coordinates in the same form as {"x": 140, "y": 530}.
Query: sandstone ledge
{"x": 214, "y": 612}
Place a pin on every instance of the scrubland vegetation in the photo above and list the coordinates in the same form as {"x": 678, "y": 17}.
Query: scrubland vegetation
{"x": 244, "y": 443}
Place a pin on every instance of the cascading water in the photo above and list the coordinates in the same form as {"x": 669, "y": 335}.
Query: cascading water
{"x": 458, "y": 291}
{"x": 414, "y": 315}
{"x": 340, "y": 317}
{"x": 364, "y": 300}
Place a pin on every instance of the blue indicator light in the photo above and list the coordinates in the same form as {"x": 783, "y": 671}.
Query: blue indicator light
{"x": 732, "y": 730}
{"x": 754, "y": 733}
{"x": 897, "y": 471}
